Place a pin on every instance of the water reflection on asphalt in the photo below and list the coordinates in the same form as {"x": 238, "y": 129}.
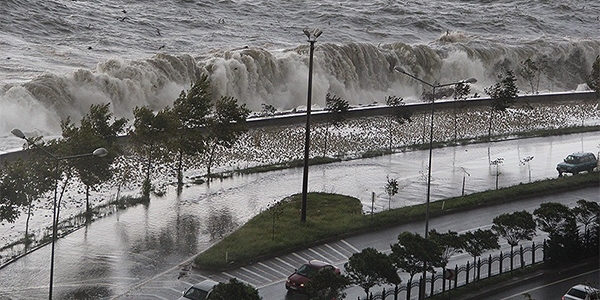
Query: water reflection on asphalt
{"x": 111, "y": 255}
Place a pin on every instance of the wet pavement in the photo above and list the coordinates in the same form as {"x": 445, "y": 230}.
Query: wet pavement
{"x": 124, "y": 252}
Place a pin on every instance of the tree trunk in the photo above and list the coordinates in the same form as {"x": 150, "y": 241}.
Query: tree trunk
{"x": 210, "y": 161}
{"x": 88, "y": 209}
{"x": 27, "y": 223}
{"x": 424, "y": 128}
{"x": 149, "y": 166}
{"x": 180, "y": 169}
{"x": 326, "y": 136}
{"x": 455, "y": 121}
{"x": 491, "y": 120}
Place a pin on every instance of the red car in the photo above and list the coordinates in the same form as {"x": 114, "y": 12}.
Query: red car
{"x": 297, "y": 281}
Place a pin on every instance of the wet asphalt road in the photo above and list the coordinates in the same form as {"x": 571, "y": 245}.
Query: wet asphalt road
{"x": 140, "y": 253}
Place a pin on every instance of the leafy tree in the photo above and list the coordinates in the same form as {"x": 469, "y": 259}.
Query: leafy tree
{"x": 10, "y": 203}
{"x": 369, "y": 268}
{"x": 268, "y": 110}
{"x": 337, "y": 109}
{"x": 531, "y": 71}
{"x": 326, "y": 285}
{"x": 391, "y": 188}
{"x": 478, "y": 241}
{"x": 559, "y": 222}
{"x": 191, "y": 111}
{"x": 401, "y": 114}
{"x": 515, "y": 227}
{"x": 98, "y": 129}
{"x": 276, "y": 209}
{"x": 461, "y": 91}
{"x": 503, "y": 94}
{"x": 554, "y": 218}
{"x": 593, "y": 80}
{"x": 234, "y": 289}
{"x": 450, "y": 243}
{"x": 224, "y": 125}
{"x": 150, "y": 136}
{"x": 414, "y": 254}
{"x": 22, "y": 183}
{"x": 587, "y": 213}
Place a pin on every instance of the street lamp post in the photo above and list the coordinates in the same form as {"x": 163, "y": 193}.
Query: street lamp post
{"x": 100, "y": 152}
{"x": 427, "y": 201}
{"x": 312, "y": 38}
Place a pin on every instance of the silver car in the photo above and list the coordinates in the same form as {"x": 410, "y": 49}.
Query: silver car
{"x": 199, "y": 291}
{"x": 582, "y": 292}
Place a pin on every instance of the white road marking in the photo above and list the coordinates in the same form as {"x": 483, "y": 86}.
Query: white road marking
{"x": 349, "y": 245}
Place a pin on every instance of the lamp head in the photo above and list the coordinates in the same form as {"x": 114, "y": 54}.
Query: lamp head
{"x": 18, "y": 133}
{"x": 100, "y": 152}
{"x": 317, "y": 32}
{"x": 306, "y": 32}
{"x": 471, "y": 80}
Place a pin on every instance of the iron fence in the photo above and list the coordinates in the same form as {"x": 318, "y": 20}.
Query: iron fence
{"x": 444, "y": 280}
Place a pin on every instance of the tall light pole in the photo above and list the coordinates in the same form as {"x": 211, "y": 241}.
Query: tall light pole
{"x": 427, "y": 201}
{"x": 100, "y": 152}
{"x": 312, "y": 38}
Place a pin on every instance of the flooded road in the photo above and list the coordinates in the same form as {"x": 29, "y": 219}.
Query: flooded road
{"x": 112, "y": 255}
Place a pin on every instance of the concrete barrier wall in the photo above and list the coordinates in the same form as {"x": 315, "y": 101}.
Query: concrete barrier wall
{"x": 361, "y": 112}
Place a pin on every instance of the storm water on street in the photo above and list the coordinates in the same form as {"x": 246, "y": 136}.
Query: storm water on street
{"x": 114, "y": 254}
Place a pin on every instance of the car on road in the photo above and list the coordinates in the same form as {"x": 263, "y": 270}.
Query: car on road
{"x": 199, "y": 291}
{"x": 582, "y": 292}
{"x": 297, "y": 281}
{"x": 577, "y": 162}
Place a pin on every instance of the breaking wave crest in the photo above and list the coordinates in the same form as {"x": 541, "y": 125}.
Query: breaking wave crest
{"x": 362, "y": 73}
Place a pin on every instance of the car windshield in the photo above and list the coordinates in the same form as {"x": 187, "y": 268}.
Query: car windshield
{"x": 572, "y": 159}
{"x": 577, "y": 293}
{"x": 306, "y": 270}
{"x": 195, "y": 294}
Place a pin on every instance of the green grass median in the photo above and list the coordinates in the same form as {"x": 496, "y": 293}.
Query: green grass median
{"x": 278, "y": 230}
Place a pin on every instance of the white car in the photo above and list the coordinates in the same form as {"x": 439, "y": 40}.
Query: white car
{"x": 199, "y": 291}
{"x": 582, "y": 292}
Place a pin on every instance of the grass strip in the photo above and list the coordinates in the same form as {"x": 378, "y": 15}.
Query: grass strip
{"x": 278, "y": 229}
